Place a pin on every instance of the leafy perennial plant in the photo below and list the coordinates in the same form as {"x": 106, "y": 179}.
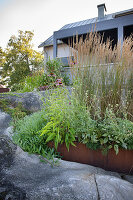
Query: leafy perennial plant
{"x": 98, "y": 110}
{"x": 64, "y": 119}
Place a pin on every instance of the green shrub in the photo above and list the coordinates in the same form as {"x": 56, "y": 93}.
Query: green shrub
{"x": 112, "y": 132}
{"x": 17, "y": 86}
{"x": 35, "y": 81}
{"x": 26, "y": 135}
{"x": 66, "y": 80}
{"x": 39, "y": 80}
{"x": 53, "y": 67}
{"x": 31, "y": 124}
{"x": 58, "y": 128}
{"x": 68, "y": 120}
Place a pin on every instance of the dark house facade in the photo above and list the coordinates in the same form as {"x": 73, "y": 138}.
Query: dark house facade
{"x": 115, "y": 26}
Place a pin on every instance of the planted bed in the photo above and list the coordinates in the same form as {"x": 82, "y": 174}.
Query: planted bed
{"x": 93, "y": 123}
{"x": 122, "y": 162}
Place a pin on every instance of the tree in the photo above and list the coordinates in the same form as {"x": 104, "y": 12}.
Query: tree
{"x": 19, "y": 58}
{"x": 2, "y": 57}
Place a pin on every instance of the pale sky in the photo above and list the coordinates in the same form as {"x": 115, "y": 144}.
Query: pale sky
{"x": 47, "y": 16}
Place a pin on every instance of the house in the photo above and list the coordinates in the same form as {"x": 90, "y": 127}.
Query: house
{"x": 115, "y": 26}
{"x": 63, "y": 50}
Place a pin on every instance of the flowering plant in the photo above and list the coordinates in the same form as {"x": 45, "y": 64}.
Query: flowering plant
{"x": 58, "y": 82}
{"x": 53, "y": 67}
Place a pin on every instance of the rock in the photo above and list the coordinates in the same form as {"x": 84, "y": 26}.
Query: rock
{"x": 7, "y": 154}
{"x": 128, "y": 178}
{"x": 31, "y": 101}
{"x": 9, "y": 192}
{"x": 111, "y": 188}
{"x": 4, "y": 121}
{"x": 7, "y": 151}
{"x": 9, "y": 132}
{"x": 67, "y": 181}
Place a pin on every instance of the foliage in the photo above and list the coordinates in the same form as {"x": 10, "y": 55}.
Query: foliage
{"x": 39, "y": 80}
{"x": 58, "y": 128}
{"x": 112, "y": 132}
{"x": 66, "y": 120}
{"x": 79, "y": 118}
{"x": 33, "y": 81}
{"x": 19, "y": 58}
{"x": 4, "y": 104}
{"x": 98, "y": 112}
{"x": 36, "y": 80}
{"x": 53, "y": 67}
{"x": 27, "y": 137}
{"x": 107, "y": 133}
{"x": 16, "y": 87}
{"x": 66, "y": 80}
{"x": 31, "y": 124}
{"x": 2, "y": 57}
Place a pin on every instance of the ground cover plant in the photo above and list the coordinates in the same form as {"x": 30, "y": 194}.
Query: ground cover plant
{"x": 28, "y": 138}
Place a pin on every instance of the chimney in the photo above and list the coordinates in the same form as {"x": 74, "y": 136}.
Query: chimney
{"x": 101, "y": 9}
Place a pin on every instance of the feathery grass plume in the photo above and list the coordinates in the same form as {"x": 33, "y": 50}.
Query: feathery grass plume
{"x": 104, "y": 74}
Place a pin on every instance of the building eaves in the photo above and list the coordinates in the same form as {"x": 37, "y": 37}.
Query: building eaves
{"x": 123, "y": 13}
{"x": 49, "y": 42}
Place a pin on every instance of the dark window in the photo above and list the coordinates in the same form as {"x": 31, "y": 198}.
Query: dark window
{"x": 112, "y": 34}
{"x": 128, "y": 30}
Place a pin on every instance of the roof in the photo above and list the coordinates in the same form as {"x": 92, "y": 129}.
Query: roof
{"x": 86, "y": 22}
{"x": 49, "y": 41}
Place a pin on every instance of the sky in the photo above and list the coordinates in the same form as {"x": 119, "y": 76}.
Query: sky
{"x": 46, "y": 16}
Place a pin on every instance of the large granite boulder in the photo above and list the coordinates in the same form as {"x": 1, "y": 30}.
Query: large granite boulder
{"x": 31, "y": 101}
{"x": 25, "y": 177}
{"x": 7, "y": 151}
{"x": 8, "y": 191}
{"x": 4, "y": 121}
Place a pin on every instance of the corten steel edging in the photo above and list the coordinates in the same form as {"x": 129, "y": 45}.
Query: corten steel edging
{"x": 2, "y": 90}
{"x": 122, "y": 162}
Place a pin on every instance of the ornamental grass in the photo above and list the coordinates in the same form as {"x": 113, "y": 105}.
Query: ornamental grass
{"x": 103, "y": 74}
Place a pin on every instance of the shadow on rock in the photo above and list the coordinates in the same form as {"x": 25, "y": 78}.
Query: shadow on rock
{"x": 9, "y": 192}
{"x": 7, "y": 151}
